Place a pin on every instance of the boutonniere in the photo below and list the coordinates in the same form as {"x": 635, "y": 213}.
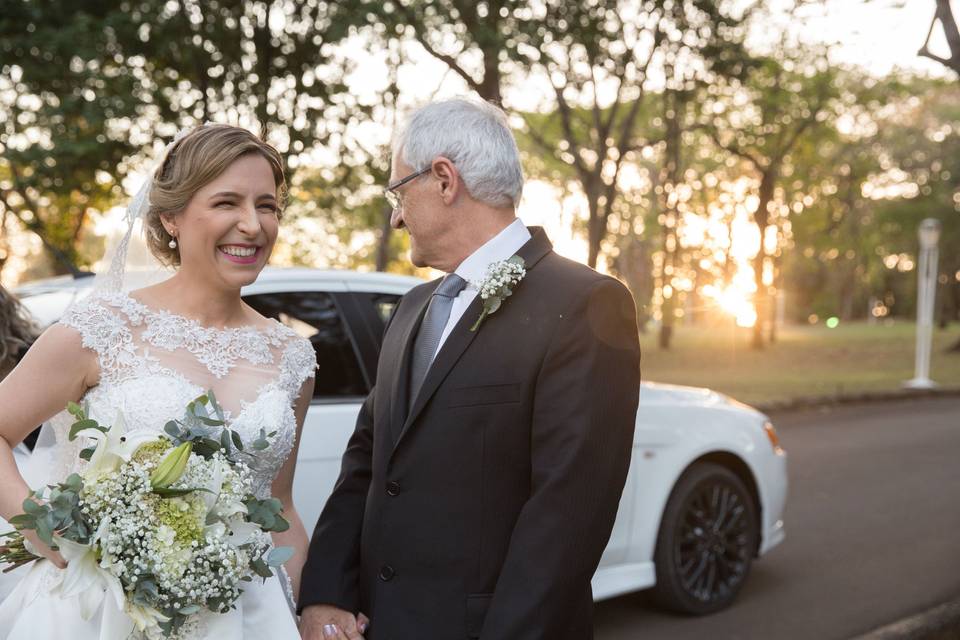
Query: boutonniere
{"x": 498, "y": 284}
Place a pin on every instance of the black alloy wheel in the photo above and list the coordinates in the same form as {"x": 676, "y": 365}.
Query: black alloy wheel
{"x": 707, "y": 541}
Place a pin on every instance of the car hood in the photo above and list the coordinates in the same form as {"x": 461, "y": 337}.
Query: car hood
{"x": 658, "y": 393}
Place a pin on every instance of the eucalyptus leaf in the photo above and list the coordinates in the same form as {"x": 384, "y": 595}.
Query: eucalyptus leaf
{"x": 261, "y": 568}
{"x": 279, "y": 556}
{"x": 24, "y": 521}
{"x": 280, "y": 524}
{"x": 34, "y": 508}
{"x": 83, "y": 425}
{"x": 44, "y": 530}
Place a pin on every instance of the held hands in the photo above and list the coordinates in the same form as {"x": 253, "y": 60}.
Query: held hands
{"x": 323, "y": 622}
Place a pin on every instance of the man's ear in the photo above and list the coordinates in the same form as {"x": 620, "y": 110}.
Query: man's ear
{"x": 448, "y": 179}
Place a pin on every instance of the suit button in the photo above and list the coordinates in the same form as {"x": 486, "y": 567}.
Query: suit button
{"x": 387, "y": 573}
{"x": 393, "y": 489}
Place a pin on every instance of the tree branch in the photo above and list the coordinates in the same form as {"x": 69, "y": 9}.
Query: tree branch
{"x": 419, "y": 33}
{"x": 734, "y": 149}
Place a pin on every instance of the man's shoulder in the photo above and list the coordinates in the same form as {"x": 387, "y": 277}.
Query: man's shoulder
{"x": 571, "y": 279}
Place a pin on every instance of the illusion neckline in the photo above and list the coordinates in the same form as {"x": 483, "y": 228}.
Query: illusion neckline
{"x": 273, "y": 328}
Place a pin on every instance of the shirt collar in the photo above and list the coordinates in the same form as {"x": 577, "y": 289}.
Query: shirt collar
{"x": 501, "y": 247}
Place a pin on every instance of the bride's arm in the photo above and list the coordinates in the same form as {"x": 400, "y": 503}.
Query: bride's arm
{"x": 296, "y": 535}
{"x": 55, "y": 371}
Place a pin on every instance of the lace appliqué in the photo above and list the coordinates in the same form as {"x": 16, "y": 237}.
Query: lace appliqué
{"x": 105, "y": 333}
{"x": 217, "y": 349}
{"x": 131, "y": 376}
{"x": 299, "y": 362}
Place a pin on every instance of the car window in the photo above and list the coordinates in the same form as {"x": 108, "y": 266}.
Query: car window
{"x": 314, "y": 315}
{"x": 383, "y": 303}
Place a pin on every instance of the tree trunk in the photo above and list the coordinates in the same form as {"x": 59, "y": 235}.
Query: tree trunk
{"x": 761, "y": 217}
{"x": 595, "y": 226}
{"x": 383, "y": 243}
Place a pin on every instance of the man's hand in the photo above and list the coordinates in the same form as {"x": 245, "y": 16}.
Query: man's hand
{"x": 323, "y": 622}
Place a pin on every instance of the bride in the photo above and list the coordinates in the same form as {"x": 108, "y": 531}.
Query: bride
{"x": 211, "y": 211}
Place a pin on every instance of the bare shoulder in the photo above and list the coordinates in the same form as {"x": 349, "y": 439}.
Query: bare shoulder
{"x": 62, "y": 348}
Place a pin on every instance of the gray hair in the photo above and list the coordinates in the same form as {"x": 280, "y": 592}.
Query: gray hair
{"x": 476, "y": 137}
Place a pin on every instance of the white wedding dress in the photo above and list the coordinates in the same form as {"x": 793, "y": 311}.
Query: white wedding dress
{"x": 152, "y": 364}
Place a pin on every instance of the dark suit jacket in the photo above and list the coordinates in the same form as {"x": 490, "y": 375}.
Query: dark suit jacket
{"x": 483, "y": 510}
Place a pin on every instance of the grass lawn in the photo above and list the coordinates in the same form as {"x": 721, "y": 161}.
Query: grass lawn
{"x": 805, "y": 361}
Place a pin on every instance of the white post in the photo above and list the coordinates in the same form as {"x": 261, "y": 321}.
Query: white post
{"x": 926, "y": 297}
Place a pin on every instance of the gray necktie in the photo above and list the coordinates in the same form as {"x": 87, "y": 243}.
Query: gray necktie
{"x": 434, "y": 321}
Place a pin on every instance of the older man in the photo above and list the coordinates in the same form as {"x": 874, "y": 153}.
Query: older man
{"x": 481, "y": 484}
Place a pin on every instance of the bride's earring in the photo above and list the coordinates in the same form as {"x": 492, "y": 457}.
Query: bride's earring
{"x": 173, "y": 243}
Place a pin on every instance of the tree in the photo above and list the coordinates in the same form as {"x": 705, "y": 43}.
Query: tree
{"x": 760, "y": 121}
{"x": 86, "y": 86}
{"x": 61, "y": 87}
{"x": 591, "y": 58}
{"x": 944, "y": 14}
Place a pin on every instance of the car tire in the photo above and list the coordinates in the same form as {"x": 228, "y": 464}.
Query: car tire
{"x": 707, "y": 540}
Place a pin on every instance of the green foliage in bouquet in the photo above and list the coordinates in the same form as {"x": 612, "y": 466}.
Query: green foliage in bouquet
{"x": 191, "y": 487}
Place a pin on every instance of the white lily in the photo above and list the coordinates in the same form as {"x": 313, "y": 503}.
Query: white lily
{"x": 214, "y": 486}
{"x": 242, "y": 532}
{"x": 84, "y": 578}
{"x": 146, "y": 619}
{"x": 113, "y": 448}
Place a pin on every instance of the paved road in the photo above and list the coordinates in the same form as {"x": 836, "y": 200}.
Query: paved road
{"x": 873, "y": 532}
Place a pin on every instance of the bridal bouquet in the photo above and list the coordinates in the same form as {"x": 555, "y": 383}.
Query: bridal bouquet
{"x": 165, "y": 525}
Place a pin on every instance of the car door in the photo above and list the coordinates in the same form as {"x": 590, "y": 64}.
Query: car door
{"x": 330, "y": 321}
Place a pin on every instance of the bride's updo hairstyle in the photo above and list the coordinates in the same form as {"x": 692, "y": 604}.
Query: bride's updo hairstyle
{"x": 191, "y": 163}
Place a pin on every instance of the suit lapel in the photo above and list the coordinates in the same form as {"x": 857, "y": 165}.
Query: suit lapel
{"x": 457, "y": 342}
{"x": 399, "y": 390}
{"x": 454, "y": 346}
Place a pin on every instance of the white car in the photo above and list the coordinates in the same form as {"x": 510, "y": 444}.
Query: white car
{"x": 707, "y": 484}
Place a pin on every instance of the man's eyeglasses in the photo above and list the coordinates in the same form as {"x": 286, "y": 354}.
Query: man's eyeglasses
{"x": 390, "y": 193}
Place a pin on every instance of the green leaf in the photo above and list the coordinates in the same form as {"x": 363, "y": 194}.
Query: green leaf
{"x": 73, "y": 482}
{"x": 76, "y": 410}
{"x": 261, "y": 568}
{"x": 279, "y": 556}
{"x": 189, "y": 610}
{"x": 86, "y": 454}
{"x": 280, "y": 524}
{"x": 172, "y": 429}
{"x": 24, "y": 521}
{"x": 83, "y": 425}
{"x": 176, "y": 493}
{"x": 237, "y": 440}
{"x": 45, "y": 530}
{"x": 33, "y": 508}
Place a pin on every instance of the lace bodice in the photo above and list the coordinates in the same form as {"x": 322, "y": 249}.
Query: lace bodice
{"x": 153, "y": 362}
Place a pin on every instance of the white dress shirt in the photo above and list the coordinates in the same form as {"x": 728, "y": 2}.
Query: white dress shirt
{"x": 501, "y": 247}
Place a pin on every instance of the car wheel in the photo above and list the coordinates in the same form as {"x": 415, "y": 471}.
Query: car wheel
{"x": 706, "y": 542}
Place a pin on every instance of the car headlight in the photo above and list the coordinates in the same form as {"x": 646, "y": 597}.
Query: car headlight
{"x": 772, "y": 436}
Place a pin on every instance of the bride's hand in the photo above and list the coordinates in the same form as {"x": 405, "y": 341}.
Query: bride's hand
{"x": 322, "y": 622}
{"x": 39, "y": 547}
